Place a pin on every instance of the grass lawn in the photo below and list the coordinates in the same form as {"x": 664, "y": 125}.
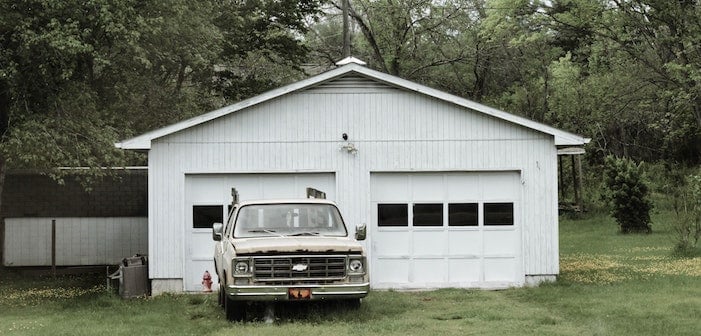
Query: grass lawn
{"x": 611, "y": 284}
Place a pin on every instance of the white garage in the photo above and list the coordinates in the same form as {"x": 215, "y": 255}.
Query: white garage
{"x": 455, "y": 193}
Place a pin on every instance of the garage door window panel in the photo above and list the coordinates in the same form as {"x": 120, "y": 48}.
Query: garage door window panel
{"x": 498, "y": 214}
{"x": 389, "y": 215}
{"x": 203, "y": 216}
{"x": 463, "y": 214}
{"x": 428, "y": 214}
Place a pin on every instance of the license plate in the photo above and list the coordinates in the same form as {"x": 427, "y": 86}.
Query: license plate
{"x": 299, "y": 293}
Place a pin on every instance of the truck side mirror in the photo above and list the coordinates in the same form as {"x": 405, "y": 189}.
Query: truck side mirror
{"x": 217, "y": 229}
{"x": 360, "y": 232}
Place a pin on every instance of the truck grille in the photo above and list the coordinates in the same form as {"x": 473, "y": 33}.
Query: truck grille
{"x": 296, "y": 268}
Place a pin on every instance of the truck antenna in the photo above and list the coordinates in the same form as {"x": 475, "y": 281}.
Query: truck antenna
{"x": 234, "y": 196}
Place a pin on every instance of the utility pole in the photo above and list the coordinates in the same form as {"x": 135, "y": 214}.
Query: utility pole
{"x": 346, "y": 29}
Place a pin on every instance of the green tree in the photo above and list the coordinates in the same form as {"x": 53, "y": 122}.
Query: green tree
{"x": 437, "y": 43}
{"x": 54, "y": 61}
{"x": 627, "y": 194}
{"x": 407, "y": 37}
{"x": 528, "y": 41}
{"x": 647, "y": 52}
{"x": 262, "y": 48}
{"x": 76, "y": 76}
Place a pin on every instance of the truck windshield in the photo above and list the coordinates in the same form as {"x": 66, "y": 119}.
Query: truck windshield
{"x": 288, "y": 219}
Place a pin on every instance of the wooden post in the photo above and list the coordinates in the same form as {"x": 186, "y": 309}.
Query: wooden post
{"x": 574, "y": 181}
{"x": 560, "y": 186}
{"x": 578, "y": 183}
{"x": 53, "y": 247}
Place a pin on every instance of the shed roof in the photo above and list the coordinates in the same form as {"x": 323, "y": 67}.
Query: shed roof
{"x": 143, "y": 141}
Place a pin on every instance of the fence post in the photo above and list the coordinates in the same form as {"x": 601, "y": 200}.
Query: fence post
{"x": 53, "y": 247}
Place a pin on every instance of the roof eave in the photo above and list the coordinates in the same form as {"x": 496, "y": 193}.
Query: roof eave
{"x": 134, "y": 144}
{"x": 569, "y": 139}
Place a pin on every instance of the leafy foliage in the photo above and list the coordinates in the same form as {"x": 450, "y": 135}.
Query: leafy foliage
{"x": 433, "y": 42}
{"x": 77, "y": 76}
{"x": 58, "y": 60}
{"x": 627, "y": 194}
{"x": 638, "y": 76}
{"x": 261, "y": 45}
{"x": 687, "y": 208}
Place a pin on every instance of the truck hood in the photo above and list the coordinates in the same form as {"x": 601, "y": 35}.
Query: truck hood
{"x": 295, "y": 245}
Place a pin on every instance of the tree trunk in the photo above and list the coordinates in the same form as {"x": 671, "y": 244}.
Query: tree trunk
{"x": 546, "y": 91}
{"x": 697, "y": 111}
{"x": 370, "y": 36}
{"x": 478, "y": 87}
{"x": 346, "y": 30}
{"x": 181, "y": 76}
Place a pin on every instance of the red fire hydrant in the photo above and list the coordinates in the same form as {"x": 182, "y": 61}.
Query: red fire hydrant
{"x": 207, "y": 281}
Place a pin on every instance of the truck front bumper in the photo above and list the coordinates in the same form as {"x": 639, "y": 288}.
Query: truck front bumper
{"x": 281, "y": 293}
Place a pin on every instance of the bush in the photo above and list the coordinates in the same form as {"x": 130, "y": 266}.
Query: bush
{"x": 628, "y": 195}
{"x": 687, "y": 208}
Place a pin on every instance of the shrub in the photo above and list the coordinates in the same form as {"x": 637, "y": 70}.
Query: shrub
{"x": 687, "y": 208}
{"x": 627, "y": 195}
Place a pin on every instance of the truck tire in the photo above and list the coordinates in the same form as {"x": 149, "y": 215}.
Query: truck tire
{"x": 352, "y": 303}
{"x": 222, "y": 295}
{"x": 235, "y": 311}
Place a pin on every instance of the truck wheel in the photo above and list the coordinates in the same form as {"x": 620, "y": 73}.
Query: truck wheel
{"x": 352, "y": 303}
{"x": 222, "y": 295}
{"x": 235, "y": 311}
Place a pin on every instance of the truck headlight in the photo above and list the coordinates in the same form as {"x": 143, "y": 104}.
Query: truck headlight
{"x": 355, "y": 266}
{"x": 241, "y": 267}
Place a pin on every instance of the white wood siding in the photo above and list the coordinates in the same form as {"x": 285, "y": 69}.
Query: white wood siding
{"x": 393, "y": 130}
{"x": 79, "y": 241}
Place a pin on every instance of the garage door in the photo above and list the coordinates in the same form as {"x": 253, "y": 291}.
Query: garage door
{"x": 207, "y": 200}
{"x": 445, "y": 230}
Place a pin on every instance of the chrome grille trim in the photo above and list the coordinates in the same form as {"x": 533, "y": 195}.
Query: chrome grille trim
{"x": 318, "y": 268}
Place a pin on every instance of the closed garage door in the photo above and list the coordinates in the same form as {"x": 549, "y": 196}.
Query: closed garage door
{"x": 446, "y": 230}
{"x": 207, "y": 200}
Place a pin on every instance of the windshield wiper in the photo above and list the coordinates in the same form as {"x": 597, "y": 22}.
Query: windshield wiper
{"x": 272, "y": 232}
{"x": 307, "y": 233}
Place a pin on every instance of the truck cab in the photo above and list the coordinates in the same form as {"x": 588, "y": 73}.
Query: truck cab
{"x": 287, "y": 250}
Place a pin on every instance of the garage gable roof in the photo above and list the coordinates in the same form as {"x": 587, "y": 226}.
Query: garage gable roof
{"x": 143, "y": 142}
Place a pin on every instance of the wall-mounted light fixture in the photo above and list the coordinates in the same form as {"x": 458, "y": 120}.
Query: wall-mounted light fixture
{"x": 349, "y": 146}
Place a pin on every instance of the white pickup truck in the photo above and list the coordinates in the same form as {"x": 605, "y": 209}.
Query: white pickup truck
{"x": 287, "y": 250}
